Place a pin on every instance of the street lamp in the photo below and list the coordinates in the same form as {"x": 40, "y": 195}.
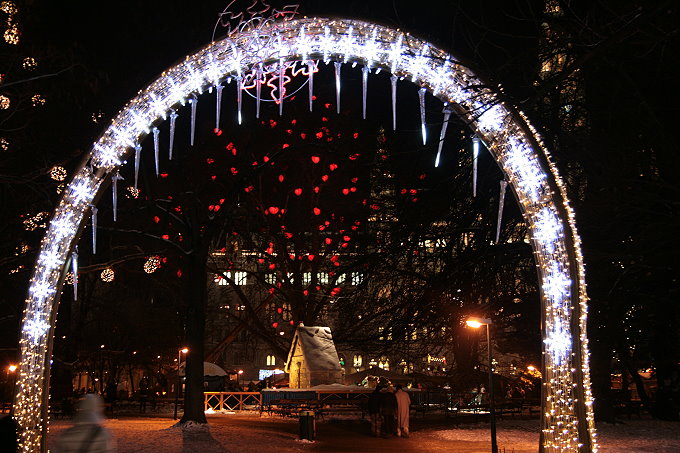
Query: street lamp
{"x": 240, "y": 377}
{"x": 477, "y": 323}
{"x": 179, "y": 380}
{"x": 11, "y": 370}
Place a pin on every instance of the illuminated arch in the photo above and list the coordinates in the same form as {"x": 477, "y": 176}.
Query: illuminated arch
{"x": 567, "y": 415}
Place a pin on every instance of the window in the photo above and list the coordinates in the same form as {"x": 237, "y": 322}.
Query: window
{"x": 357, "y": 278}
{"x": 358, "y": 360}
{"x": 271, "y": 360}
{"x": 239, "y": 278}
{"x": 384, "y": 364}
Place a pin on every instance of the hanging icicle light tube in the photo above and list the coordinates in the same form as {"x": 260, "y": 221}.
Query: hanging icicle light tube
{"x": 567, "y": 419}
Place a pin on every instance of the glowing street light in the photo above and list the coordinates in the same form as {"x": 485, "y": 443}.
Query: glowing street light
{"x": 476, "y": 323}
{"x": 179, "y": 380}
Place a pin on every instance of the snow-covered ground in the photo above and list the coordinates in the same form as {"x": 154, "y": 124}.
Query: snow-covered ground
{"x": 249, "y": 433}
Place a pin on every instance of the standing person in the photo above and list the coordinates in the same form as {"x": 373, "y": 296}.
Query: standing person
{"x": 143, "y": 393}
{"x": 373, "y": 407}
{"x": 87, "y": 433}
{"x": 403, "y": 408}
{"x": 388, "y": 408}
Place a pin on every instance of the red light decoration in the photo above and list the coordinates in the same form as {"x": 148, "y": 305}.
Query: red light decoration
{"x": 311, "y": 257}
{"x": 288, "y": 235}
{"x": 272, "y": 266}
{"x": 233, "y": 170}
{"x": 328, "y": 241}
{"x": 275, "y": 325}
{"x": 273, "y": 210}
{"x": 356, "y": 135}
{"x": 324, "y": 178}
{"x": 317, "y": 211}
{"x": 165, "y": 237}
{"x": 281, "y": 178}
{"x": 354, "y": 180}
{"x": 303, "y": 136}
{"x": 316, "y": 189}
{"x": 298, "y": 191}
{"x": 217, "y": 131}
{"x": 354, "y": 156}
{"x": 345, "y": 191}
{"x": 164, "y": 175}
{"x": 315, "y": 159}
{"x": 265, "y": 159}
{"x": 333, "y": 167}
{"x": 319, "y": 135}
{"x": 352, "y": 189}
{"x": 346, "y": 238}
{"x": 285, "y": 145}
{"x": 179, "y": 273}
{"x": 156, "y": 219}
{"x": 210, "y": 160}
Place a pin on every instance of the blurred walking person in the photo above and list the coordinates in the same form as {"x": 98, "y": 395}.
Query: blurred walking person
{"x": 87, "y": 435}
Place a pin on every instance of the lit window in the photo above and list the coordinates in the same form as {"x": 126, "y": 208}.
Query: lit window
{"x": 239, "y": 278}
{"x": 270, "y": 279}
{"x": 358, "y": 360}
{"x": 271, "y": 360}
{"x": 384, "y": 364}
{"x": 306, "y": 278}
{"x": 323, "y": 278}
{"x": 357, "y": 278}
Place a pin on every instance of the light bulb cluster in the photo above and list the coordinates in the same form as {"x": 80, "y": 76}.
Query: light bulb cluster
{"x": 507, "y": 135}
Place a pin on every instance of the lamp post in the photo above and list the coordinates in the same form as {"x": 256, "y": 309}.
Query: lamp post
{"x": 477, "y": 323}
{"x": 11, "y": 370}
{"x": 179, "y": 380}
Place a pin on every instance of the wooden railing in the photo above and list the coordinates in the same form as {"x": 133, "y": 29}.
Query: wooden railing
{"x": 232, "y": 401}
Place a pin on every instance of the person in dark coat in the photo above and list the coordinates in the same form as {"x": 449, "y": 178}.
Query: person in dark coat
{"x": 373, "y": 406}
{"x": 388, "y": 408}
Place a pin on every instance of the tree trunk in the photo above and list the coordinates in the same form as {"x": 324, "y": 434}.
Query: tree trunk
{"x": 196, "y": 281}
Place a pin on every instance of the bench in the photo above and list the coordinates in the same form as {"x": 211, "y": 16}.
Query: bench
{"x": 337, "y": 407}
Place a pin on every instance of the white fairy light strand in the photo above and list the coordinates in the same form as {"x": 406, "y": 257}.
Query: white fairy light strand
{"x": 508, "y": 137}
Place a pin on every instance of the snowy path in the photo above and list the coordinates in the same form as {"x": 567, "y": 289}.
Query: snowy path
{"x": 248, "y": 433}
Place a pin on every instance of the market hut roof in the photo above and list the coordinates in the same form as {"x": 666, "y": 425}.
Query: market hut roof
{"x": 318, "y": 349}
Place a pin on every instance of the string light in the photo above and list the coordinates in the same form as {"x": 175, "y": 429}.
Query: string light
{"x": 152, "y": 264}
{"x": 508, "y": 136}
{"x": 58, "y": 173}
{"x": 108, "y": 275}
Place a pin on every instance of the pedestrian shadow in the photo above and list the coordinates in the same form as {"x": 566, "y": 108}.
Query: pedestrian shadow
{"x": 200, "y": 440}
